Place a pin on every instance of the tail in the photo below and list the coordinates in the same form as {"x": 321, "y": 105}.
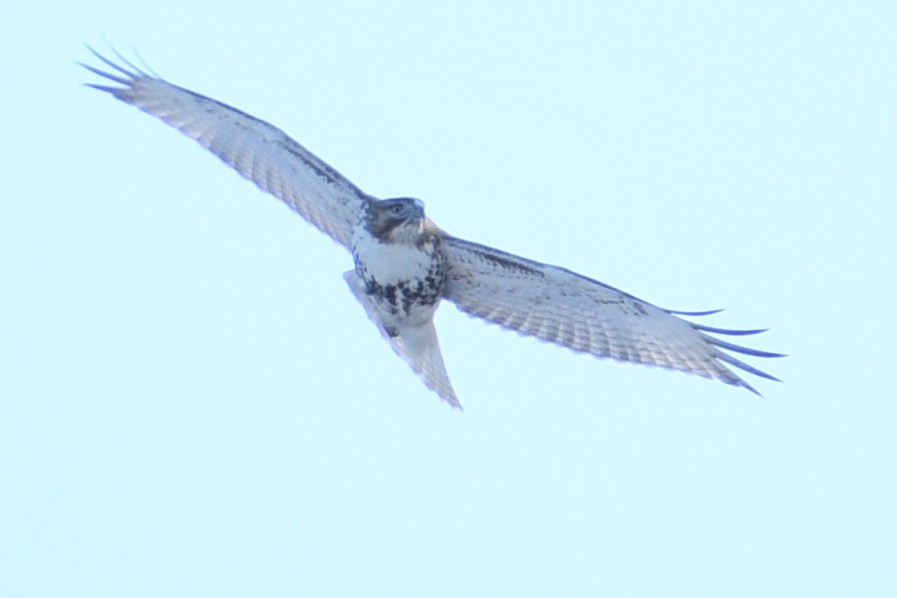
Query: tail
{"x": 418, "y": 345}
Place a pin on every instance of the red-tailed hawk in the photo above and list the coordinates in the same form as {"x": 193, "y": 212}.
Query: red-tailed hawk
{"x": 405, "y": 265}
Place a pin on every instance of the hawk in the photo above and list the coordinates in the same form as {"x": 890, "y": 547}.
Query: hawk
{"x": 404, "y": 265}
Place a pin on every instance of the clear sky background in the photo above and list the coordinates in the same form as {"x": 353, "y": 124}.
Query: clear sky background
{"x": 192, "y": 403}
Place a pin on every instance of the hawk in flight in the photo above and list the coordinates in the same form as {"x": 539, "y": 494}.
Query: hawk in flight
{"x": 405, "y": 265}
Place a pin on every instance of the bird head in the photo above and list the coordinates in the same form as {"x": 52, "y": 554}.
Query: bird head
{"x": 393, "y": 219}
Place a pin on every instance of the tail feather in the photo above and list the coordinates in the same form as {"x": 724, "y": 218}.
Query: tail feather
{"x": 419, "y": 347}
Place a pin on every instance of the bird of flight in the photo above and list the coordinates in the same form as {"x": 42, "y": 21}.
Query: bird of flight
{"x": 405, "y": 265}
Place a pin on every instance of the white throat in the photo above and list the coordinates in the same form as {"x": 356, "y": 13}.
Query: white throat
{"x": 391, "y": 263}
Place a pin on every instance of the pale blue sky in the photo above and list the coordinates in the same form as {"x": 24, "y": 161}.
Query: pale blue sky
{"x": 193, "y": 404}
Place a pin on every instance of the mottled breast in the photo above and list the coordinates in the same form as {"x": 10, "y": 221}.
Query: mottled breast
{"x": 404, "y": 280}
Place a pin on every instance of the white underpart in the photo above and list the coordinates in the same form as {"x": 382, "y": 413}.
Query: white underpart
{"x": 390, "y": 263}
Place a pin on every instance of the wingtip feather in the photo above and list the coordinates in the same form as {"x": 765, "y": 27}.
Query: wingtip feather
{"x": 708, "y": 312}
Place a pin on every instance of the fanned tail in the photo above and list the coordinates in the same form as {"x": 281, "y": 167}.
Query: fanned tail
{"x": 419, "y": 347}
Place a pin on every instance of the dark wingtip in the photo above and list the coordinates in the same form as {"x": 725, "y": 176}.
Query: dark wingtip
{"x": 747, "y": 386}
{"x": 120, "y": 74}
{"x": 733, "y": 361}
{"x": 740, "y": 349}
{"x": 706, "y": 331}
{"x": 727, "y": 331}
{"x": 105, "y": 75}
{"x": 708, "y": 312}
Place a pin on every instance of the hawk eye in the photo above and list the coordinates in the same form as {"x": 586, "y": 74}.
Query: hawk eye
{"x": 396, "y": 208}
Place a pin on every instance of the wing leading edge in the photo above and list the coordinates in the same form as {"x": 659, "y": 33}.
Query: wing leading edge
{"x": 257, "y": 150}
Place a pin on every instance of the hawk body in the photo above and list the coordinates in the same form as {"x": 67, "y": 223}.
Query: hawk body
{"x": 399, "y": 278}
{"x": 405, "y": 265}
{"x": 399, "y": 259}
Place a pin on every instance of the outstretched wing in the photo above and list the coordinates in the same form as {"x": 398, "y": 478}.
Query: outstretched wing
{"x": 260, "y": 152}
{"x": 565, "y": 308}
